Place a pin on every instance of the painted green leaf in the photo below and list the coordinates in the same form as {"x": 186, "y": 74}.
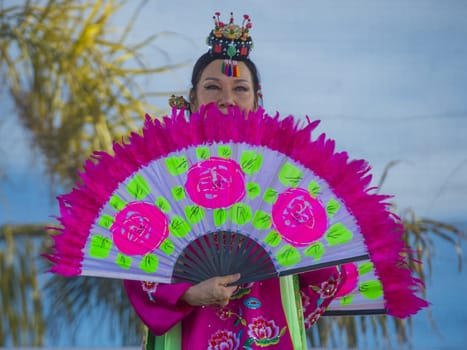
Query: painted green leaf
{"x": 251, "y": 162}
{"x": 288, "y": 255}
{"x": 178, "y": 192}
{"x": 365, "y": 268}
{"x": 123, "y": 261}
{"x": 338, "y": 234}
{"x": 332, "y": 207}
{"x": 313, "y": 189}
{"x": 163, "y": 204}
{"x": 270, "y": 195}
{"x": 203, "y": 153}
{"x": 100, "y": 247}
{"x": 106, "y": 221}
{"x": 138, "y": 187}
{"x": 220, "y": 216}
{"x": 167, "y": 246}
{"x": 290, "y": 175}
{"x": 252, "y": 190}
{"x": 262, "y": 220}
{"x": 149, "y": 263}
{"x": 117, "y": 203}
{"x": 194, "y": 214}
{"x": 371, "y": 289}
{"x": 346, "y": 300}
{"x": 273, "y": 238}
{"x": 224, "y": 151}
{"x": 176, "y": 165}
{"x": 240, "y": 213}
{"x": 179, "y": 227}
{"x": 316, "y": 250}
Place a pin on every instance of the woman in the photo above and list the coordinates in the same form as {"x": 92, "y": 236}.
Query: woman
{"x": 216, "y": 314}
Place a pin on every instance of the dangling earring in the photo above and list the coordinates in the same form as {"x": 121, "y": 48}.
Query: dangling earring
{"x": 259, "y": 95}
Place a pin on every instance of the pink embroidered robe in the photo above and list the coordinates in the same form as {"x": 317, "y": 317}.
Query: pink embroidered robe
{"x": 253, "y": 319}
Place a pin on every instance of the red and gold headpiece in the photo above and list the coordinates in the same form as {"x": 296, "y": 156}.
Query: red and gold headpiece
{"x": 231, "y": 42}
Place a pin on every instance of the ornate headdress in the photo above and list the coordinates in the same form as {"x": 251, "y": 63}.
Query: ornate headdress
{"x": 231, "y": 42}
{"x": 227, "y": 41}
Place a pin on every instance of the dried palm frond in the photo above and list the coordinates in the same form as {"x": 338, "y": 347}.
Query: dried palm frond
{"x": 75, "y": 84}
{"x": 22, "y": 319}
{"x": 74, "y": 78}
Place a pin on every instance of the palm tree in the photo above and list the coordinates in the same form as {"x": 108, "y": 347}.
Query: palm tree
{"x": 75, "y": 91}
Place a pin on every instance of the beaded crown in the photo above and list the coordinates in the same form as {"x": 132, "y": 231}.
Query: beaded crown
{"x": 231, "y": 42}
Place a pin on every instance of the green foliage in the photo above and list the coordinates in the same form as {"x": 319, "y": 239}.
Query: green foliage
{"x": 73, "y": 78}
{"x": 22, "y": 320}
{"x": 74, "y": 82}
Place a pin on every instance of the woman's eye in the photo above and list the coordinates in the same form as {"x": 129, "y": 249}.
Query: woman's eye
{"x": 241, "y": 88}
{"x": 211, "y": 87}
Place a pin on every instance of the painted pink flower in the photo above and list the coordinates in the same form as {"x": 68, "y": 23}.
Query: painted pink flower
{"x": 264, "y": 332}
{"x": 215, "y": 183}
{"x": 223, "y": 340}
{"x": 300, "y": 219}
{"x": 139, "y": 228}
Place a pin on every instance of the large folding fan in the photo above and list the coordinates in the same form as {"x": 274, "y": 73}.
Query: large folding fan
{"x": 194, "y": 197}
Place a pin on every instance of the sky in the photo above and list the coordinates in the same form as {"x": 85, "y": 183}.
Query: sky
{"x": 388, "y": 80}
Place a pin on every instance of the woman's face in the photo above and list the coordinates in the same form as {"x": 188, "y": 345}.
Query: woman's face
{"x": 224, "y": 91}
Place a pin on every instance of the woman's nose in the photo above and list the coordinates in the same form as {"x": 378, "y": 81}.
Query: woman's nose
{"x": 226, "y": 99}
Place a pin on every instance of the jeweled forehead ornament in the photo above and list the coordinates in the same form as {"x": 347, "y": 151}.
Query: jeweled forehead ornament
{"x": 230, "y": 42}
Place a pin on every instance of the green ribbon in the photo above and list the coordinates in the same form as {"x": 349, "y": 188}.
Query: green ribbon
{"x": 292, "y": 305}
{"x": 172, "y": 340}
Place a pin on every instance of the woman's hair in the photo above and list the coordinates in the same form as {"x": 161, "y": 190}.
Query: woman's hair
{"x": 207, "y": 58}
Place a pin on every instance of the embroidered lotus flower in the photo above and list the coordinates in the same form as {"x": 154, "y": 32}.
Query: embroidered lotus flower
{"x": 149, "y": 287}
{"x": 312, "y": 318}
{"x": 327, "y": 289}
{"x": 306, "y": 301}
{"x": 224, "y": 313}
{"x": 223, "y": 340}
{"x": 264, "y": 332}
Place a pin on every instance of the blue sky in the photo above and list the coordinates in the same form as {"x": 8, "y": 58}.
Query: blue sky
{"x": 388, "y": 79}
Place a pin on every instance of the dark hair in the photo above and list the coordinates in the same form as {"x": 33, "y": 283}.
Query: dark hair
{"x": 207, "y": 58}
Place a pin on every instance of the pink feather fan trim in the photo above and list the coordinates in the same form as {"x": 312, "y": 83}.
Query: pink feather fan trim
{"x": 349, "y": 179}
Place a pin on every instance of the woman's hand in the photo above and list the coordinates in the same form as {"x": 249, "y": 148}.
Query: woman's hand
{"x": 214, "y": 291}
